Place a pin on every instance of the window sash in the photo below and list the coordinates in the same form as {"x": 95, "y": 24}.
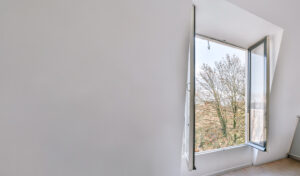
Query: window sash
{"x": 251, "y": 142}
{"x": 190, "y": 100}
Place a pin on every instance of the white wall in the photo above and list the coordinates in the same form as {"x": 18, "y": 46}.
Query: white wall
{"x": 285, "y": 95}
{"x": 92, "y": 87}
{"x": 221, "y": 161}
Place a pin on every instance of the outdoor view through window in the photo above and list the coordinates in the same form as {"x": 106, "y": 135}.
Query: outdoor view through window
{"x": 220, "y": 84}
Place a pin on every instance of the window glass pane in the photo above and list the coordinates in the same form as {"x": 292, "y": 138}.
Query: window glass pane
{"x": 219, "y": 95}
{"x": 258, "y": 96}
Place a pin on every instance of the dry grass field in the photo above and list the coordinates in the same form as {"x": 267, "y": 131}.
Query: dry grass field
{"x": 209, "y": 133}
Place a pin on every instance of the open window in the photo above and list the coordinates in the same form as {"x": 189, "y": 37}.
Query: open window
{"x": 222, "y": 95}
{"x": 227, "y": 95}
{"x": 258, "y": 93}
{"x": 227, "y": 105}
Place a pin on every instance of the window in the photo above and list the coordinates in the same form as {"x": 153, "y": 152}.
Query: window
{"x": 226, "y": 97}
{"x": 228, "y": 81}
{"x": 258, "y": 93}
{"x": 220, "y": 94}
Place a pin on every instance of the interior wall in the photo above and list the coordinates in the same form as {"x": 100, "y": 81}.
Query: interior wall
{"x": 217, "y": 162}
{"x": 92, "y": 87}
{"x": 285, "y": 95}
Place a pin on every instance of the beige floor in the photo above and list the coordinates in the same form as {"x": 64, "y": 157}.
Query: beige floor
{"x": 284, "y": 167}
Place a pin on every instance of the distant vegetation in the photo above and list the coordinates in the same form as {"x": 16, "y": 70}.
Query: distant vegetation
{"x": 220, "y": 104}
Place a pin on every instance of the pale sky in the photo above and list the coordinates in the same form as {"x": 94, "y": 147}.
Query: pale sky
{"x": 216, "y": 53}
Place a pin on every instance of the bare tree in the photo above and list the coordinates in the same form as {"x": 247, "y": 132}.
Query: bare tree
{"x": 212, "y": 92}
{"x": 223, "y": 86}
{"x": 232, "y": 76}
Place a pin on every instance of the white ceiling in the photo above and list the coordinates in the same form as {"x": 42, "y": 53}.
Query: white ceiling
{"x": 224, "y": 21}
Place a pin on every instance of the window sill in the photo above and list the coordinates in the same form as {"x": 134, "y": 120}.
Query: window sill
{"x": 221, "y": 149}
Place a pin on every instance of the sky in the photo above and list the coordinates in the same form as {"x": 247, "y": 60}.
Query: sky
{"x": 216, "y": 53}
